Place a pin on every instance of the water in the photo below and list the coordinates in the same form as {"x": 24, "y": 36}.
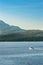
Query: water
{"x": 18, "y": 53}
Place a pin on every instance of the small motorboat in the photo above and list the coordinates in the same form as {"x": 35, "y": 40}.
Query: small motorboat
{"x": 31, "y": 48}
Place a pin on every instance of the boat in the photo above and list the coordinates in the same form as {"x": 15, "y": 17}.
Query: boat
{"x": 31, "y": 48}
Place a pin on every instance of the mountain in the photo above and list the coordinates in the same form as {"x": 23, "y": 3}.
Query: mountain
{"x": 14, "y": 33}
{"x": 6, "y": 28}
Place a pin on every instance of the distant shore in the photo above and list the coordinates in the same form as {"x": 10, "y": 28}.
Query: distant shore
{"x": 20, "y": 38}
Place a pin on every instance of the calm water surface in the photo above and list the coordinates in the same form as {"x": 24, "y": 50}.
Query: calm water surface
{"x": 18, "y": 53}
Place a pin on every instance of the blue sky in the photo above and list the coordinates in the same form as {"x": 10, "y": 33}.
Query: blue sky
{"x": 27, "y": 14}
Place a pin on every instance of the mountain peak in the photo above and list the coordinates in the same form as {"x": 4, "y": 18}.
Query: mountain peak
{"x": 7, "y": 28}
{"x": 1, "y": 22}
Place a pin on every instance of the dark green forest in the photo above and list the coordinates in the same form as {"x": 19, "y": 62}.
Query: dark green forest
{"x": 30, "y": 35}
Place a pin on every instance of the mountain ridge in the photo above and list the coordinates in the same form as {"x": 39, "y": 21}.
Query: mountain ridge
{"x": 5, "y": 28}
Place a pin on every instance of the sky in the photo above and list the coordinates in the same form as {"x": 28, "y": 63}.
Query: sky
{"x": 27, "y": 14}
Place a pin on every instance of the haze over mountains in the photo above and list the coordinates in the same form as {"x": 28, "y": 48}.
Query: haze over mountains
{"x": 15, "y": 33}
